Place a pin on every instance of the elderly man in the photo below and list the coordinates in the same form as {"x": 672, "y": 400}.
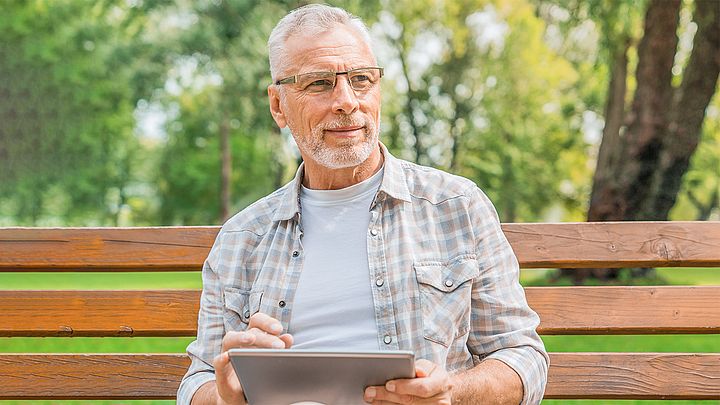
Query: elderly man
{"x": 363, "y": 251}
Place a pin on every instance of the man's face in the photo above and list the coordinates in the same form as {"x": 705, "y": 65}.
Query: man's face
{"x": 338, "y": 128}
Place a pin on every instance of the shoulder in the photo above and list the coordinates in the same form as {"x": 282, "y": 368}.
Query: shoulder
{"x": 434, "y": 185}
{"x": 258, "y": 217}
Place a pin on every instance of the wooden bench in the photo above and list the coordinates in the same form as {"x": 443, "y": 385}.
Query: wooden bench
{"x": 563, "y": 310}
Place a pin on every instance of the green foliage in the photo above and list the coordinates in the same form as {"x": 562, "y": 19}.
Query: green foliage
{"x": 225, "y": 52}
{"x": 700, "y": 194}
{"x": 66, "y": 136}
{"x": 500, "y": 91}
{"x": 496, "y": 104}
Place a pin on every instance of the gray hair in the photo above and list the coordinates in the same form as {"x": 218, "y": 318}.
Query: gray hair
{"x": 310, "y": 20}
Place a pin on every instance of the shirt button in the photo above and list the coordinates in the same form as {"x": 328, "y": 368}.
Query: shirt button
{"x": 295, "y": 253}
{"x": 448, "y": 283}
{"x": 379, "y": 282}
{"x": 387, "y": 339}
{"x": 246, "y": 314}
{"x": 373, "y": 232}
{"x": 281, "y": 304}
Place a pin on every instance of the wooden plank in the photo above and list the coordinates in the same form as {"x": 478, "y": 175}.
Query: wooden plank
{"x": 99, "y": 313}
{"x": 105, "y": 249}
{"x": 616, "y": 244}
{"x": 147, "y": 376}
{"x": 562, "y": 310}
{"x": 634, "y": 376}
{"x": 91, "y": 376}
{"x": 537, "y": 245}
{"x": 626, "y": 310}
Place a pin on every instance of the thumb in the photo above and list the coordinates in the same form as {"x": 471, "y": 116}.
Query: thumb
{"x": 223, "y": 369}
{"x": 424, "y": 368}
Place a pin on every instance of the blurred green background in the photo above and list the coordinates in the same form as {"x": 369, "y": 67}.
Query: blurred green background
{"x": 124, "y": 112}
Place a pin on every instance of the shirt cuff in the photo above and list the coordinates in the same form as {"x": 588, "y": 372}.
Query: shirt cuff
{"x": 191, "y": 384}
{"x": 532, "y": 367}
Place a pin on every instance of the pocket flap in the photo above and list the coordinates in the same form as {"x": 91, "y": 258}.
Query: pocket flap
{"x": 242, "y": 302}
{"x": 447, "y": 276}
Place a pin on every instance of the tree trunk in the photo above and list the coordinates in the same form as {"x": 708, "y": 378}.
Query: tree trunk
{"x": 401, "y": 46}
{"x": 690, "y": 102}
{"x": 226, "y": 169}
{"x": 610, "y": 146}
{"x": 608, "y": 156}
{"x": 641, "y": 165}
{"x": 632, "y": 164}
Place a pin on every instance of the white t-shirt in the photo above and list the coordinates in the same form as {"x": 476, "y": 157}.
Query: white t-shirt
{"x": 333, "y": 306}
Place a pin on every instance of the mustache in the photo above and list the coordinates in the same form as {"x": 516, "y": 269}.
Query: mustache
{"x": 343, "y": 121}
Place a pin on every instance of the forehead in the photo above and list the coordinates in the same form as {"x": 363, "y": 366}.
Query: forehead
{"x": 339, "y": 48}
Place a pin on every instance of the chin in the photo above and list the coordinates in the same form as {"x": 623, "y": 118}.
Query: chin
{"x": 343, "y": 157}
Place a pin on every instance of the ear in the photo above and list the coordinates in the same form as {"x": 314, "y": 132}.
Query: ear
{"x": 275, "y": 107}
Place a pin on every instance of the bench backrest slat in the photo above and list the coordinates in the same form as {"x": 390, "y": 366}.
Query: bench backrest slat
{"x": 157, "y": 376}
{"x": 616, "y": 244}
{"x": 607, "y": 244}
{"x": 99, "y": 313}
{"x": 96, "y": 376}
{"x": 562, "y": 310}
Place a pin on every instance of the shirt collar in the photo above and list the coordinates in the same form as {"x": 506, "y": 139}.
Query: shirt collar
{"x": 393, "y": 184}
{"x": 290, "y": 197}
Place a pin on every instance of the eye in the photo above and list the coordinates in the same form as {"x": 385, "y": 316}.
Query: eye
{"x": 359, "y": 78}
{"x": 319, "y": 85}
{"x": 322, "y": 82}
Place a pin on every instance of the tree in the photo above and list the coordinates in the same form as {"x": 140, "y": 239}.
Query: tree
{"x": 650, "y": 153}
{"x": 478, "y": 92}
{"x": 66, "y": 108}
{"x": 223, "y": 150}
{"x": 647, "y": 145}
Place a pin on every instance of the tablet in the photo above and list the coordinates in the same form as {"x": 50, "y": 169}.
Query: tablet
{"x": 288, "y": 376}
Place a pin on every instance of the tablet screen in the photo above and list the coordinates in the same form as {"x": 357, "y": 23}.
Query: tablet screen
{"x": 287, "y": 376}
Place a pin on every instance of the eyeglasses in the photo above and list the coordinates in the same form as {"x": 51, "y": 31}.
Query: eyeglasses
{"x": 360, "y": 80}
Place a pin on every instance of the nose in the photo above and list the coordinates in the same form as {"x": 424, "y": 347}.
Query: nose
{"x": 344, "y": 99}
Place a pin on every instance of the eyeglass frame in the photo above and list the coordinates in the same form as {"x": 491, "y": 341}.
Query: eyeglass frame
{"x": 294, "y": 78}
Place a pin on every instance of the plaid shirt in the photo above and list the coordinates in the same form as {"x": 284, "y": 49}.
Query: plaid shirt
{"x": 445, "y": 280}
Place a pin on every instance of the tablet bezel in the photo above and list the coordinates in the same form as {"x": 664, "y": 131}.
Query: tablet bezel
{"x": 287, "y": 376}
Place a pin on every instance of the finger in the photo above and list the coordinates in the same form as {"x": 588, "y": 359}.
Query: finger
{"x": 265, "y": 323}
{"x": 431, "y": 380}
{"x": 424, "y": 368}
{"x": 235, "y": 339}
{"x": 380, "y": 395}
{"x": 224, "y": 373}
{"x": 419, "y": 387}
{"x": 265, "y": 340}
{"x": 288, "y": 339}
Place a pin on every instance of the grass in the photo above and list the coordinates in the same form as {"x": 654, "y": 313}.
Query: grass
{"x": 668, "y": 275}
{"x": 100, "y": 281}
{"x": 190, "y": 280}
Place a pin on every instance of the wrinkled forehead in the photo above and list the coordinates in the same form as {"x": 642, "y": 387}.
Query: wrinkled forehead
{"x": 339, "y": 48}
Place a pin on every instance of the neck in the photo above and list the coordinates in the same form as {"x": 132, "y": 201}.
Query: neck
{"x": 317, "y": 177}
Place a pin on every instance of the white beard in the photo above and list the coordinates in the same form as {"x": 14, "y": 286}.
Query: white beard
{"x": 348, "y": 154}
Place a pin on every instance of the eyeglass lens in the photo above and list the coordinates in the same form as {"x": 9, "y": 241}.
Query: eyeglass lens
{"x": 318, "y": 82}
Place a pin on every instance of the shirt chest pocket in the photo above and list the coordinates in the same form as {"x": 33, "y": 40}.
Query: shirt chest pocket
{"x": 445, "y": 294}
{"x": 238, "y": 306}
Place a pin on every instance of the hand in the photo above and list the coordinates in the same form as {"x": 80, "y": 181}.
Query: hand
{"x": 431, "y": 385}
{"x": 263, "y": 331}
